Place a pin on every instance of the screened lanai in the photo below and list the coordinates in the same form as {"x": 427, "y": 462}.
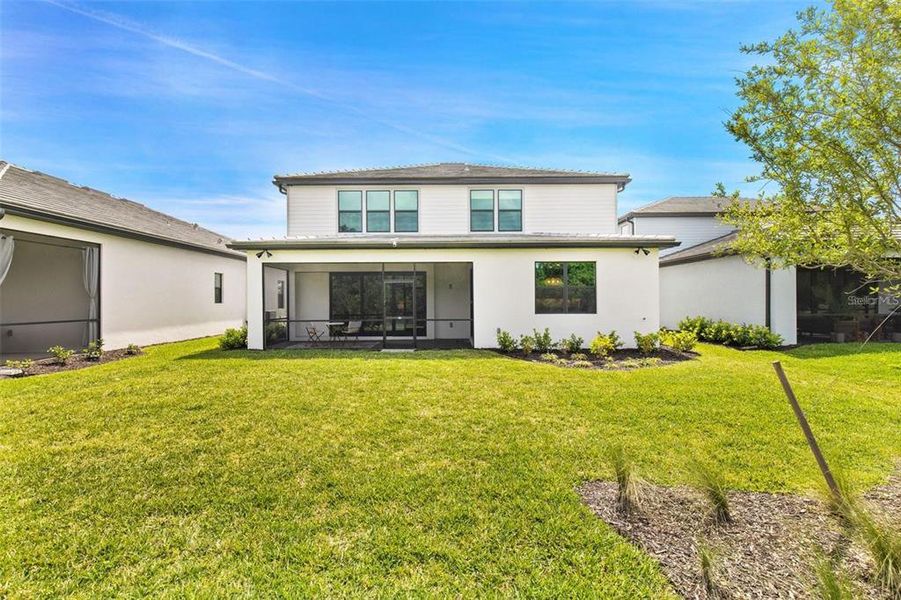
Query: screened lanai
{"x": 368, "y": 305}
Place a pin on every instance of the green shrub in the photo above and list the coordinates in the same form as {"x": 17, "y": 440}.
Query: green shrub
{"x": 234, "y": 339}
{"x": 23, "y": 365}
{"x": 682, "y": 341}
{"x": 275, "y": 332}
{"x": 94, "y": 351}
{"x": 572, "y": 344}
{"x": 732, "y": 334}
{"x": 505, "y": 341}
{"x": 694, "y": 324}
{"x": 62, "y": 355}
{"x": 582, "y": 364}
{"x": 718, "y": 332}
{"x": 132, "y": 349}
{"x": 605, "y": 344}
{"x": 579, "y": 356}
{"x": 762, "y": 337}
{"x": 527, "y": 344}
{"x": 549, "y": 357}
{"x": 646, "y": 342}
{"x": 543, "y": 340}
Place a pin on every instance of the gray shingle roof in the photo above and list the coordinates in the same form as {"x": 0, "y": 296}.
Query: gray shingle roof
{"x": 449, "y": 173}
{"x": 684, "y": 206}
{"x": 41, "y": 196}
{"x": 710, "y": 249}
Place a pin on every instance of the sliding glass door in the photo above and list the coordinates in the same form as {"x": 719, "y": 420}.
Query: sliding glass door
{"x": 390, "y": 303}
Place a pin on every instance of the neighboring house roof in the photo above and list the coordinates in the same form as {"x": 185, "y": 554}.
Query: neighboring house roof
{"x": 684, "y": 206}
{"x": 522, "y": 240}
{"x": 450, "y": 173}
{"x": 714, "y": 248}
{"x": 43, "y": 197}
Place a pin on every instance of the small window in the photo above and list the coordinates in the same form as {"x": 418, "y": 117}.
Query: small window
{"x": 350, "y": 211}
{"x": 509, "y": 210}
{"x": 481, "y": 210}
{"x": 562, "y": 287}
{"x": 406, "y": 210}
{"x": 378, "y": 211}
{"x": 280, "y": 293}
{"x": 217, "y": 288}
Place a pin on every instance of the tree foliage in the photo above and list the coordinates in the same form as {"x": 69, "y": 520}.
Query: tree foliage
{"x": 822, "y": 115}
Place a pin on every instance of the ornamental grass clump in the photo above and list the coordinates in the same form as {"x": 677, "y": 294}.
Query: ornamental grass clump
{"x": 713, "y": 485}
{"x": 628, "y": 486}
{"x": 709, "y": 579}
{"x": 884, "y": 545}
{"x": 831, "y": 583}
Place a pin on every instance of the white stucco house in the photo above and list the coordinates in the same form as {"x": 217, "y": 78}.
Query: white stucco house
{"x": 705, "y": 277}
{"x": 77, "y": 264}
{"x": 445, "y": 255}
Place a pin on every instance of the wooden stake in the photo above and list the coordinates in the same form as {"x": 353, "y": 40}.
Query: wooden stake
{"x": 811, "y": 441}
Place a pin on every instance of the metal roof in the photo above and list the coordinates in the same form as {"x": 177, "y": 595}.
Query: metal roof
{"x": 710, "y": 249}
{"x": 43, "y": 197}
{"x": 684, "y": 206}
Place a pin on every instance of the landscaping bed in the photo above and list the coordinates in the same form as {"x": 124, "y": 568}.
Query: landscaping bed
{"x": 616, "y": 361}
{"x": 44, "y": 366}
{"x": 769, "y": 550}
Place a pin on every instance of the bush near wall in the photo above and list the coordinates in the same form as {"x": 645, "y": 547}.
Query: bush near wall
{"x": 731, "y": 334}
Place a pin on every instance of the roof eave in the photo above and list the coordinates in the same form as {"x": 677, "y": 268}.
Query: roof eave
{"x": 303, "y": 180}
{"x": 394, "y": 244}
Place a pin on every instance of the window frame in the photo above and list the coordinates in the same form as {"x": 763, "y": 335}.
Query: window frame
{"x": 566, "y": 288}
{"x": 506, "y": 210}
{"x": 386, "y": 212}
{"x": 360, "y": 211}
{"x": 404, "y": 211}
{"x": 482, "y": 210}
{"x": 218, "y": 287}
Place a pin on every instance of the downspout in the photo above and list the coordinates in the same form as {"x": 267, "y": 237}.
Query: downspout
{"x": 768, "y": 300}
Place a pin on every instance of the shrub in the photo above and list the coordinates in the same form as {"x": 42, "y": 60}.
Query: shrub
{"x": 234, "y": 339}
{"x": 646, "y": 342}
{"x": 543, "y": 340}
{"x": 733, "y": 334}
{"x": 275, "y": 332}
{"x": 713, "y": 485}
{"x": 23, "y": 365}
{"x": 549, "y": 357}
{"x": 682, "y": 341}
{"x": 582, "y": 364}
{"x": 94, "y": 351}
{"x": 132, "y": 349}
{"x": 505, "y": 341}
{"x": 718, "y": 332}
{"x": 762, "y": 337}
{"x": 578, "y": 356}
{"x": 527, "y": 344}
{"x": 628, "y": 491}
{"x": 694, "y": 324}
{"x": 572, "y": 344}
{"x": 62, "y": 355}
{"x": 605, "y": 344}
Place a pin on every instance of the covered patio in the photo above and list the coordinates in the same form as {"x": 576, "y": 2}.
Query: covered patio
{"x": 368, "y": 305}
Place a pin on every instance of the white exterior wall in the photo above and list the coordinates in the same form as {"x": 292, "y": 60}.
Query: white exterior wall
{"x": 728, "y": 288}
{"x": 690, "y": 231}
{"x": 444, "y": 209}
{"x": 152, "y": 293}
{"x": 503, "y": 288}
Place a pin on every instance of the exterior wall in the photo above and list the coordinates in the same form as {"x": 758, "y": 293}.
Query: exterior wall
{"x": 152, "y": 293}
{"x": 728, "y": 288}
{"x": 504, "y": 288}
{"x": 444, "y": 209}
{"x": 691, "y": 231}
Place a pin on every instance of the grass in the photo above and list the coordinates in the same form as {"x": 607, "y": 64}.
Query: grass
{"x": 628, "y": 494}
{"x": 831, "y": 582}
{"x": 188, "y": 471}
{"x": 713, "y": 485}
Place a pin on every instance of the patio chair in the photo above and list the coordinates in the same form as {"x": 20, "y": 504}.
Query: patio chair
{"x": 353, "y": 329}
{"x": 314, "y": 334}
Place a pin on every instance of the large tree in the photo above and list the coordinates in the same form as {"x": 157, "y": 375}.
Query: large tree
{"x": 822, "y": 115}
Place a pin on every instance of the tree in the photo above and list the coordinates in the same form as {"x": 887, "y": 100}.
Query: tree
{"x": 822, "y": 115}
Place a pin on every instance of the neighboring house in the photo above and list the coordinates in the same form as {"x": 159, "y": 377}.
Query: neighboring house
{"x": 449, "y": 254}
{"x": 705, "y": 277}
{"x": 77, "y": 264}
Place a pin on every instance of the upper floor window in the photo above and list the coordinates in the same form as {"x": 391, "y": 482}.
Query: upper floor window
{"x": 509, "y": 210}
{"x": 378, "y": 211}
{"x": 217, "y": 288}
{"x": 350, "y": 211}
{"x": 565, "y": 287}
{"x": 406, "y": 210}
{"x": 481, "y": 210}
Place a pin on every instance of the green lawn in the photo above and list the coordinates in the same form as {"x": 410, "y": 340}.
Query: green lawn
{"x": 189, "y": 471}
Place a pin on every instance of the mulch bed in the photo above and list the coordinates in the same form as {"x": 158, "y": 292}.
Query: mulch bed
{"x": 621, "y": 360}
{"x": 44, "y": 366}
{"x": 768, "y": 551}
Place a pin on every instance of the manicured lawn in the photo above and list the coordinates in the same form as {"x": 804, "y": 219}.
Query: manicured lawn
{"x": 190, "y": 471}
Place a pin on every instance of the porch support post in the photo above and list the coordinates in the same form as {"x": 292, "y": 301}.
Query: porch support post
{"x": 415, "y": 315}
{"x": 254, "y": 302}
{"x": 384, "y": 313}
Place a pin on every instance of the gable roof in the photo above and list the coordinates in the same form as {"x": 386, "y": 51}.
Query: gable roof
{"x": 43, "y": 197}
{"x": 450, "y": 172}
{"x": 714, "y": 248}
{"x": 684, "y": 206}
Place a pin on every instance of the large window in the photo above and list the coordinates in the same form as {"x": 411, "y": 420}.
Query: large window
{"x": 380, "y": 302}
{"x": 350, "y": 211}
{"x": 481, "y": 210}
{"x": 565, "y": 287}
{"x": 509, "y": 210}
{"x": 378, "y": 211}
{"x": 406, "y": 210}
{"x": 217, "y": 288}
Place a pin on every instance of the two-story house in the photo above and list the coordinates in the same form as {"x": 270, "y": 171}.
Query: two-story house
{"x": 449, "y": 254}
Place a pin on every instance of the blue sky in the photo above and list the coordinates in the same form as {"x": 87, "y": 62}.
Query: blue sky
{"x": 192, "y": 107}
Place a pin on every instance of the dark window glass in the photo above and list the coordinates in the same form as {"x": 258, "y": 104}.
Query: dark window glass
{"x": 350, "y": 211}
{"x": 378, "y": 211}
{"x": 379, "y": 305}
{"x": 562, "y": 287}
{"x": 481, "y": 210}
{"x": 217, "y": 288}
{"x": 509, "y": 210}
{"x": 406, "y": 210}
{"x": 281, "y": 293}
